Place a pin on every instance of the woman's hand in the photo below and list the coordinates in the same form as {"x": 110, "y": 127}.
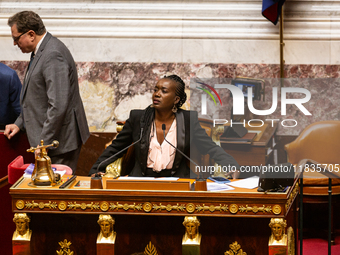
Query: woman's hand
{"x": 233, "y": 174}
{"x": 99, "y": 174}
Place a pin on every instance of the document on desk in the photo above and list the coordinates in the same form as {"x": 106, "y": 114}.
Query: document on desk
{"x": 248, "y": 183}
{"x": 214, "y": 186}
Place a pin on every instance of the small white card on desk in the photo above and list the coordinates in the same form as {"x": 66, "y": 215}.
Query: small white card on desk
{"x": 83, "y": 184}
{"x": 248, "y": 183}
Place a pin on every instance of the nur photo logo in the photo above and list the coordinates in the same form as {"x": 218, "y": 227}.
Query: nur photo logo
{"x": 244, "y": 95}
{"x": 204, "y": 96}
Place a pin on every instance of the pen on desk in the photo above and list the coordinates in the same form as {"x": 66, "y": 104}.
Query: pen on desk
{"x": 68, "y": 182}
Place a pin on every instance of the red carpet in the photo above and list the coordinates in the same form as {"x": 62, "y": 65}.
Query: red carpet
{"x": 318, "y": 246}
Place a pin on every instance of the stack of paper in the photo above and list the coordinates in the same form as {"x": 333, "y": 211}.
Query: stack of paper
{"x": 248, "y": 183}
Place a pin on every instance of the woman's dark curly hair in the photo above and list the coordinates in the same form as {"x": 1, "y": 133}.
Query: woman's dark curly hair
{"x": 180, "y": 89}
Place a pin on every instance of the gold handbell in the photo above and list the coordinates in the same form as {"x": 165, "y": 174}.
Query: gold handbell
{"x": 43, "y": 174}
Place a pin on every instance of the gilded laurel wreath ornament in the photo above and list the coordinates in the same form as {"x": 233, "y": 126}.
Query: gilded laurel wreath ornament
{"x": 150, "y": 249}
{"x": 65, "y": 248}
{"x": 235, "y": 249}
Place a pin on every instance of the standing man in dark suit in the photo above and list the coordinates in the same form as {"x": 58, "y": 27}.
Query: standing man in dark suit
{"x": 52, "y": 108}
{"x": 10, "y": 87}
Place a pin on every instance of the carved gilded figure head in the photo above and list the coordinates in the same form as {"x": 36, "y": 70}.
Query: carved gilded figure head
{"x": 278, "y": 226}
{"x": 21, "y": 221}
{"x": 106, "y": 223}
{"x": 191, "y": 224}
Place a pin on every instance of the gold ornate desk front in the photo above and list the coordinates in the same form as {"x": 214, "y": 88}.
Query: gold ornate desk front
{"x": 240, "y": 216}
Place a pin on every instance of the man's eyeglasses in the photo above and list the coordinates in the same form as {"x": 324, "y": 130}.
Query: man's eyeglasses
{"x": 16, "y": 39}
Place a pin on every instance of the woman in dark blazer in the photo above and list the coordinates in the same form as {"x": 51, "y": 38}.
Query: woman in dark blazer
{"x": 155, "y": 122}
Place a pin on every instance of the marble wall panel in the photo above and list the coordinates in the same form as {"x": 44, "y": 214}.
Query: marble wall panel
{"x": 111, "y": 89}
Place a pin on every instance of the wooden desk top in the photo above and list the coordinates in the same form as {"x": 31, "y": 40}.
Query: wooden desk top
{"x": 235, "y": 203}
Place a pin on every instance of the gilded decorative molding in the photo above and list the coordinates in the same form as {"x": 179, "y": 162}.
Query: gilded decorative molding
{"x": 291, "y": 241}
{"x": 126, "y": 207}
{"x": 74, "y": 206}
{"x": 212, "y": 208}
{"x": 235, "y": 249}
{"x": 292, "y": 196}
{"x": 150, "y": 249}
{"x": 104, "y": 206}
{"x": 148, "y": 207}
{"x": 168, "y": 207}
{"x": 233, "y": 208}
{"x": 62, "y": 206}
{"x": 277, "y": 209}
{"x": 255, "y": 209}
{"x": 190, "y": 208}
{"x": 20, "y": 204}
{"x": 65, "y": 248}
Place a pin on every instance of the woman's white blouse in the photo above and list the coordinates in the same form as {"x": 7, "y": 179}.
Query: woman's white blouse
{"x": 162, "y": 156}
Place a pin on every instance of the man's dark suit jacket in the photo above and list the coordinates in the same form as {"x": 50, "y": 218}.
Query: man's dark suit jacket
{"x": 189, "y": 133}
{"x": 52, "y": 108}
{"x": 10, "y": 87}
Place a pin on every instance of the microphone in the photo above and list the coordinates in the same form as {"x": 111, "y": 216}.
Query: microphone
{"x": 114, "y": 155}
{"x": 200, "y": 174}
